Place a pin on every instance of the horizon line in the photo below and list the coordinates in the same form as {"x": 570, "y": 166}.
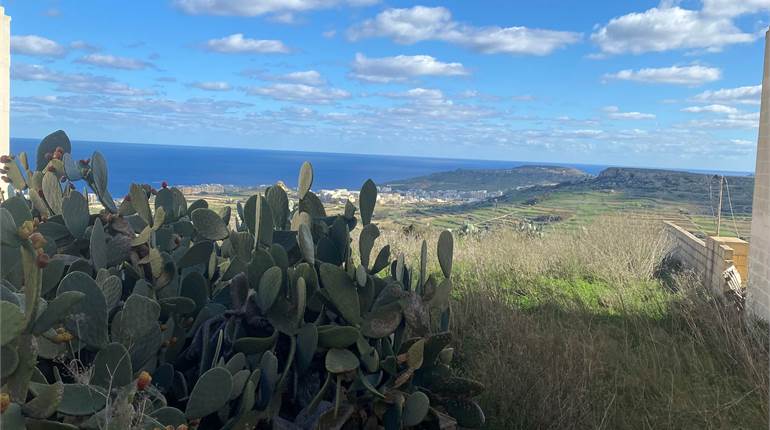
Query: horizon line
{"x": 546, "y": 163}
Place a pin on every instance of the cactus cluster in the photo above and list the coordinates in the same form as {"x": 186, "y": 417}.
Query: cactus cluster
{"x": 155, "y": 314}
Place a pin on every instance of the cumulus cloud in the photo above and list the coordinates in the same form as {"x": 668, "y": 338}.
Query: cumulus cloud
{"x": 715, "y": 108}
{"x": 114, "y": 62}
{"x": 37, "y": 46}
{"x": 669, "y": 27}
{"x": 299, "y": 93}
{"x": 75, "y": 82}
{"x": 420, "y": 23}
{"x": 260, "y": 7}
{"x": 740, "y": 95}
{"x": 677, "y": 75}
{"x": 212, "y": 86}
{"x": 614, "y": 112}
{"x": 402, "y": 68}
{"x": 237, "y": 44}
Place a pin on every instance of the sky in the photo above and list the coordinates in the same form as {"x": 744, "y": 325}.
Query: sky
{"x": 631, "y": 83}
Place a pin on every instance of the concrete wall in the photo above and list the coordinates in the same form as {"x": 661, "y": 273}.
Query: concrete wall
{"x": 5, "y": 83}
{"x": 711, "y": 257}
{"x": 758, "y": 299}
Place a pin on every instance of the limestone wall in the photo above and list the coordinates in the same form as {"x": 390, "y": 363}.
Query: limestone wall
{"x": 758, "y": 299}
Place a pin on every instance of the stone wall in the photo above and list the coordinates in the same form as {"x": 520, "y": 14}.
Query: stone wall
{"x": 758, "y": 299}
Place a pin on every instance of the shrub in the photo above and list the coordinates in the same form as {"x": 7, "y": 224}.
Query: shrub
{"x": 154, "y": 313}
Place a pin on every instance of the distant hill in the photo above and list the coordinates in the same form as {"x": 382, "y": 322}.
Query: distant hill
{"x": 491, "y": 179}
{"x": 675, "y": 186}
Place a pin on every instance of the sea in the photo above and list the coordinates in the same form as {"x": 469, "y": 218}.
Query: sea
{"x": 194, "y": 165}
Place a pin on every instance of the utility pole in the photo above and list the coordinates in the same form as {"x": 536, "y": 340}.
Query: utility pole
{"x": 719, "y": 210}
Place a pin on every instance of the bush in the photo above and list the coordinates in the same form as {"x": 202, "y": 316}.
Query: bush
{"x": 155, "y": 313}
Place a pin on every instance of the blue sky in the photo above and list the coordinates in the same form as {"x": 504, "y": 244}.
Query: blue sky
{"x": 638, "y": 83}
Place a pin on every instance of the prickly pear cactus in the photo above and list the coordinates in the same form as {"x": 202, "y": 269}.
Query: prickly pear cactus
{"x": 153, "y": 312}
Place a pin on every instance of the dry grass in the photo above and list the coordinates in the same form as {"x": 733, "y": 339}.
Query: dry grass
{"x": 574, "y": 330}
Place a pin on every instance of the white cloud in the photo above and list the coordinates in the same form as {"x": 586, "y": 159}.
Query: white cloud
{"x": 75, "y": 82}
{"x": 485, "y": 97}
{"x": 212, "y": 86}
{"x": 614, "y": 112}
{"x": 734, "y": 7}
{"x": 260, "y": 7}
{"x": 740, "y": 120}
{"x": 742, "y": 142}
{"x": 677, "y": 75}
{"x": 668, "y": 27}
{"x": 114, "y": 62}
{"x": 741, "y": 95}
{"x": 237, "y": 44}
{"x": 402, "y": 68}
{"x": 425, "y": 96}
{"x": 36, "y": 46}
{"x": 300, "y": 93}
{"x": 420, "y": 23}
{"x": 715, "y": 108}
{"x": 307, "y": 77}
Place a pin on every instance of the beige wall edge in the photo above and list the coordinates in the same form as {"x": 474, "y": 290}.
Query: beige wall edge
{"x": 5, "y": 85}
{"x": 758, "y": 299}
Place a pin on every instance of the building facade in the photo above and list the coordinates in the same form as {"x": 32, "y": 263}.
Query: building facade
{"x": 5, "y": 82}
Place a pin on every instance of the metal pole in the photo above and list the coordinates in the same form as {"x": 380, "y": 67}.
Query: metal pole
{"x": 719, "y": 211}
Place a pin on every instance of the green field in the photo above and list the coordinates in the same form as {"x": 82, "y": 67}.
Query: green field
{"x": 570, "y": 210}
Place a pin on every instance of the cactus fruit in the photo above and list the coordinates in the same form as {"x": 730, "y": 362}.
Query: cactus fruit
{"x": 143, "y": 380}
{"x": 5, "y": 402}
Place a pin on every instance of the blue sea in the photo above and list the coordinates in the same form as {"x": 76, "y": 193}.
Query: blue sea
{"x": 193, "y": 165}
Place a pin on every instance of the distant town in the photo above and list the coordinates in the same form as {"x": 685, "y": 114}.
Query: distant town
{"x": 386, "y": 194}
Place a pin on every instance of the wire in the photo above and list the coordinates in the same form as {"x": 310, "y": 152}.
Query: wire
{"x": 732, "y": 214}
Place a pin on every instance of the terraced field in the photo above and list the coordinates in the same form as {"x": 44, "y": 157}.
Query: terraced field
{"x": 570, "y": 210}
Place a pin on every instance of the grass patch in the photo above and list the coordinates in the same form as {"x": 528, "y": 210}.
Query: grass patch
{"x": 576, "y": 330}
